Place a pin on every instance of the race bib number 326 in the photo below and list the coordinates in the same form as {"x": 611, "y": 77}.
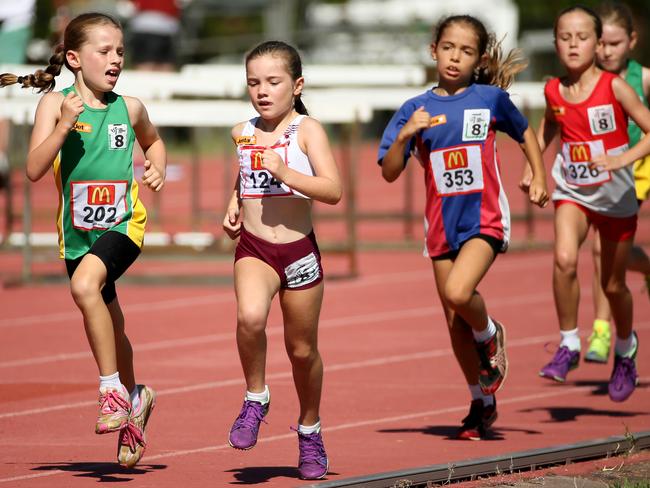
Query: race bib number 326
{"x": 98, "y": 205}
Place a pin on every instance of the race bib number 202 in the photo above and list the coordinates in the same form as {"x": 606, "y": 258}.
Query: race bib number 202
{"x": 98, "y": 205}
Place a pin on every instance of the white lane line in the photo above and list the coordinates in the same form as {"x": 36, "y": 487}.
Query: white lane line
{"x": 211, "y": 299}
{"x": 335, "y": 428}
{"x": 400, "y": 358}
{"x": 277, "y": 329}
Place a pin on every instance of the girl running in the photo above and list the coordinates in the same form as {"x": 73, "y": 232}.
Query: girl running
{"x": 613, "y": 54}
{"x": 594, "y": 186}
{"x": 451, "y": 129}
{"x": 86, "y": 132}
{"x": 285, "y": 162}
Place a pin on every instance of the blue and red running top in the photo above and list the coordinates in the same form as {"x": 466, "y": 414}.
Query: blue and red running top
{"x": 465, "y": 195}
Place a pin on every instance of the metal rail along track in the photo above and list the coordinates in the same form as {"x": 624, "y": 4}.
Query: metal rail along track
{"x": 467, "y": 470}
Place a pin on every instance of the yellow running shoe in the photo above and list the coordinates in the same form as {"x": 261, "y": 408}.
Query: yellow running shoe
{"x": 132, "y": 443}
{"x": 599, "y": 342}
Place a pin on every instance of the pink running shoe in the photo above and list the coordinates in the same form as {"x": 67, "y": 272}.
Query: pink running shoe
{"x": 132, "y": 443}
{"x": 114, "y": 410}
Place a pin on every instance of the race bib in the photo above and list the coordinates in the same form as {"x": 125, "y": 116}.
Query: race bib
{"x": 601, "y": 119}
{"x": 457, "y": 170}
{"x": 577, "y": 158}
{"x": 256, "y": 181}
{"x": 117, "y": 136}
{"x": 475, "y": 124}
{"x": 98, "y": 205}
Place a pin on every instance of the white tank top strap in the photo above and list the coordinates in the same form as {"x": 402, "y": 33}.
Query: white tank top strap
{"x": 292, "y": 128}
{"x": 249, "y": 128}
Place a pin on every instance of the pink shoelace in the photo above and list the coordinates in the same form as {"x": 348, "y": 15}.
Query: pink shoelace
{"x": 112, "y": 401}
{"x": 131, "y": 436}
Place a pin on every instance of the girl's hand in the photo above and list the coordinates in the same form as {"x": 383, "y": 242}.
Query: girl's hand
{"x": 273, "y": 162}
{"x": 537, "y": 192}
{"x": 152, "y": 177}
{"x": 419, "y": 120}
{"x": 608, "y": 162}
{"x": 71, "y": 108}
{"x": 526, "y": 179}
{"x": 231, "y": 223}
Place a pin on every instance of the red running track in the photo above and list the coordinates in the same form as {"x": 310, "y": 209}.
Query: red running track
{"x": 393, "y": 395}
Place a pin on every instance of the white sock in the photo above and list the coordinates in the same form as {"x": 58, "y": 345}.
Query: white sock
{"x": 570, "y": 339}
{"x": 475, "y": 391}
{"x": 309, "y": 429}
{"x": 111, "y": 381}
{"x": 485, "y": 334}
{"x": 625, "y": 347}
{"x": 262, "y": 398}
{"x": 135, "y": 398}
{"x": 477, "y": 394}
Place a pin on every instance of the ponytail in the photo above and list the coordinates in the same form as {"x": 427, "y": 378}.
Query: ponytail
{"x": 43, "y": 80}
{"x": 498, "y": 71}
{"x": 74, "y": 37}
{"x": 299, "y": 106}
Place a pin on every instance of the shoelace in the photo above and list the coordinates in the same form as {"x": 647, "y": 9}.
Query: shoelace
{"x": 623, "y": 370}
{"x": 131, "y": 436}
{"x": 311, "y": 448}
{"x": 563, "y": 355}
{"x": 251, "y": 415}
{"x": 111, "y": 401}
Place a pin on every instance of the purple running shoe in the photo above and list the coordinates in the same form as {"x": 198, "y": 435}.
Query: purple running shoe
{"x": 564, "y": 361}
{"x": 313, "y": 462}
{"x": 624, "y": 376}
{"x": 243, "y": 434}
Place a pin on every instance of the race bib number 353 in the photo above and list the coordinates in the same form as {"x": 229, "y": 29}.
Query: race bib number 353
{"x": 458, "y": 170}
{"x": 98, "y": 205}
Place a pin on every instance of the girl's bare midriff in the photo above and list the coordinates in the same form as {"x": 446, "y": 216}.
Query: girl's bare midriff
{"x": 278, "y": 219}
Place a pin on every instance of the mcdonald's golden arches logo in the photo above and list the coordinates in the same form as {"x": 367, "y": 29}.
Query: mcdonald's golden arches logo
{"x": 256, "y": 160}
{"x": 580, "y": 153}
{"x": 101, "y": 195}
{"x": 455, "y": 159}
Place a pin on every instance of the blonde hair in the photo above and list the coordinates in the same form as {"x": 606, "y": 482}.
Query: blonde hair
{"x": 497, "y": 70}
{"x": 74, "y": 37}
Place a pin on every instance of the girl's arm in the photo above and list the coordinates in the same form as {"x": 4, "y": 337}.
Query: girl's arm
{"x": 537, "y": 190}
{"x": 325, "y": 186}
{"x": 392, "y": 163}
{"x": 155, "y": 165}
{"x": 638, "y": 112}
{"x": 55, "y": 117}
{"x": 231, "y": 221}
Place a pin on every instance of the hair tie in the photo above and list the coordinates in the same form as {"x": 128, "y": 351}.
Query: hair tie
{"x": 21, "y": 79}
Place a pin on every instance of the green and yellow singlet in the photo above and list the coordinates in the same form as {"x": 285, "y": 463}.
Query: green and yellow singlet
{"x": 94, "y": 175}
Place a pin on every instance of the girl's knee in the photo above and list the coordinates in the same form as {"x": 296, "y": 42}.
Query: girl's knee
{"x": 614, "y": 288}
{"x": 302, "y": 354}
{"x": 251, "y": 320}
{"x": 457, "y": 297}
{"x": 84, "y": 290}
{"x": 566, "y": 262}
